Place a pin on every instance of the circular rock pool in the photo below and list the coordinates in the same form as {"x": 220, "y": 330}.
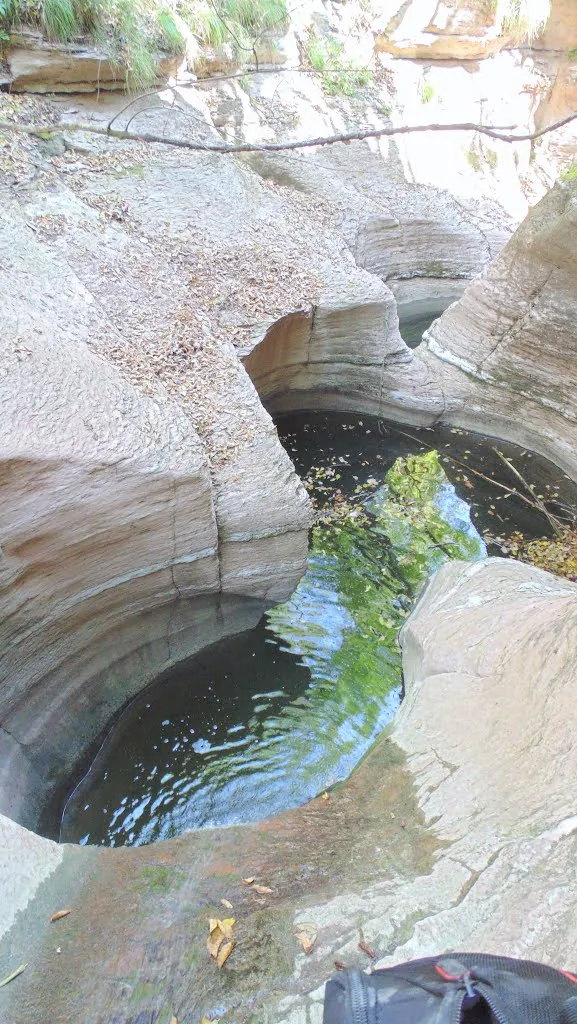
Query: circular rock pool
{"x": 267, "y": 719}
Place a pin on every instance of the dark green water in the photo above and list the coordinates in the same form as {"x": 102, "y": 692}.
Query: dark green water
{"x": 413, "y": 328}
{"x": 267, "y": 719}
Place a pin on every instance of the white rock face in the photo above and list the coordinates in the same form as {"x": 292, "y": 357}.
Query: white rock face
{"x": 505, "y": 354}
{"x": 487, "y": 722}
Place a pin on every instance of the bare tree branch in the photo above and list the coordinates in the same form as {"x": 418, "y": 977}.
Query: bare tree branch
{"x": 493, "y": 131}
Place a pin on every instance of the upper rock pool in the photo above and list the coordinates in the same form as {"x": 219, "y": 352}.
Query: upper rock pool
{"x": 264, "y": 720}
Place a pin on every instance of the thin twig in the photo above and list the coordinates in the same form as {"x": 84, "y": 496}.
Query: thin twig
{"x": 15, "y": 974}
{"x": 490, "y": 480}
{"x": 274, "y": 147}
{"x": 552, "y": 520}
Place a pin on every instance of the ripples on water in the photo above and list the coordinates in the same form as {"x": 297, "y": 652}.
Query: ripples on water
{"x": 267, "y": 719}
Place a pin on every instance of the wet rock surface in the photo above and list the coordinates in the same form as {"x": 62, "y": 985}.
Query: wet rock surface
{"x": 444, "y": 837}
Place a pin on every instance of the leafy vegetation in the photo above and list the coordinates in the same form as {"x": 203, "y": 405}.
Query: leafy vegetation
{"x": 473, "y": 158}
{"x": 525, "y": 18}
{"x": 570, "y": 174}
{"x": 339, "y": 77}
{"x": 134, "y": 32}
{"x": 555, "y": 554}
{"x": 427, "y": 92}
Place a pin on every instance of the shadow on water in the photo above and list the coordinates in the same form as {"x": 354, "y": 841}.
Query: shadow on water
{"x": 265, "y": 720}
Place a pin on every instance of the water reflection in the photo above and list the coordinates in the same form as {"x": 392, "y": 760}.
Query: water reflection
{"x": 265, "y": 720}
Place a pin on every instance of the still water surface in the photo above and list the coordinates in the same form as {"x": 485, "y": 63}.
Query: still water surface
{"x": 263, "y": 721}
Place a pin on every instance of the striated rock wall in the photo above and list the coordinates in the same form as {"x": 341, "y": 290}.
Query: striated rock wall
{"x": 333, "y": 356}
{"x": 127, "y": 541}
{"x": 505, "y": 354}
{"x": 36, "y": 65}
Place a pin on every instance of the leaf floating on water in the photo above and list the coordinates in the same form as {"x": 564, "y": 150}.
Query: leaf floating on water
{"x": 10, "y": 977}
{"x": 263, "y": 890}
{"x": 60, "y": 914}
{"x": 306, "y": 934}
{"x": 220, "y": 942}
{"x": 340, "y": 966}
{"x": 227, "y": 904}
{"x": 248, "y": 881}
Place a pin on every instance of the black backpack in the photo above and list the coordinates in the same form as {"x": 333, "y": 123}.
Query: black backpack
{"x": 457, "y": 988}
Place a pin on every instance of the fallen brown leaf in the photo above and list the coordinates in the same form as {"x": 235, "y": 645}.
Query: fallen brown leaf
{"x": 248, "y": 881}
{"x": 60, "y": 914}
{"x": 220, "y": 942}
{"x": 307, "y": 936}
{"x": 227, "y": 904}
{"x": 263, "y": 890}
{"x": 340, "y": 966}
{"x": 367, "y": 949}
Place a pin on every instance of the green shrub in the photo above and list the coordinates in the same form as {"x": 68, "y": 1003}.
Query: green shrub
{"x": 339, "y": 77}
{"x": 571, "y": 173}
{"x": 133, "y": 32}
{"x": 238, "y": 22}
{"x": 525, "y": 18}
{"x": 427, "y": 92}
{"x": 473, "y": 159}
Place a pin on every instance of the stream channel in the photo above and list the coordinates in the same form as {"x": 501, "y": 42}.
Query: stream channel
{"x": 265, "y": 720}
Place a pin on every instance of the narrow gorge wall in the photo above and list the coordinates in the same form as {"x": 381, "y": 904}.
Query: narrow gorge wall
{"x": 126, "y": 543}
{"x": 506, "y": 353}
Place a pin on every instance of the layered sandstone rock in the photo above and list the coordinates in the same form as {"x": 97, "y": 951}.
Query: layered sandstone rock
{"x": 454, "y": 30}
{"x": 458, "y": 831}
{"x": 505, "y": 353}
{"x": 333, "y": 355}
{"x": 128, "y": 541}
{"x": 36, "y": 65}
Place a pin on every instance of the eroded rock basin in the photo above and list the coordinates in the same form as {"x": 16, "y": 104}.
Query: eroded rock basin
{"x": 266, "y": 720}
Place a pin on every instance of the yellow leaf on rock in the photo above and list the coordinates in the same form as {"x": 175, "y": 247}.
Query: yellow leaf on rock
{"x": 225, "y": 951}
{"x": 227, "y": 904}
{"x": 220, "y": 942}
{"x": 248, "y": 881}
{"x": 263, "y": 890}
